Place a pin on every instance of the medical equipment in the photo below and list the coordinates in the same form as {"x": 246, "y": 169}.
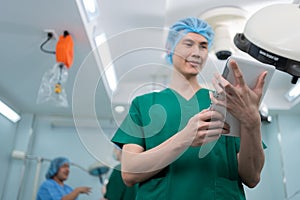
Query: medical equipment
{"x": 271, "y": 35}
{"x": 226, "y": 22}
{"x": 98, "y": 169}
{"x": 51, "y": 89}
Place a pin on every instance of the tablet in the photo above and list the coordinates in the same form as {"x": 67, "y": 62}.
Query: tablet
{"x": 251, "y": 69}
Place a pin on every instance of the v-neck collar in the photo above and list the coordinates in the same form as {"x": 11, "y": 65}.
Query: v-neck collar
{"x": 182, "y": 97}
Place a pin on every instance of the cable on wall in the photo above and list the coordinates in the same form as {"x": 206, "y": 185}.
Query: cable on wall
{"x": 49, "y": 37}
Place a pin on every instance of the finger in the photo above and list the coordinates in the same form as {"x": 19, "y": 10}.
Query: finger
{"x": 206, "y": 134}
{"x": 221, "y": 103}
{"x": 220, "y": 81}
{"x": 221, "y": 127}
{"x": 216, "y": 83}
{"x": 208, "y": 140}
{"x": 215, "y": 126}
{"x": 226, "y": 127}
{"x": 237, "y": 73}
{"x": 223, "y": 87}
{"x": 217, "y": 115}
{"x": 212, "y": 98}
{"x": 211, "y": 138}
{"x": 261, "y": 80}
{"x": 211, "y": 115}
{"x": 214, "y": 133}
{"x": 204, "y": 111}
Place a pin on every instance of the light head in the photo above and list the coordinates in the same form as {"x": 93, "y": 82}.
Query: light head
{"x": 272, "y": 36}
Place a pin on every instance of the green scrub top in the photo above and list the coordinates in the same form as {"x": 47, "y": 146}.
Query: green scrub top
{"x": 116, "y": 189}
{"x": 157, "y": 116}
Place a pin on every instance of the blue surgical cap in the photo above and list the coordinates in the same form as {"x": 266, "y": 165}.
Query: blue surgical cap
{"x": 55, "y": 165}
{"x": 184, "y": 26}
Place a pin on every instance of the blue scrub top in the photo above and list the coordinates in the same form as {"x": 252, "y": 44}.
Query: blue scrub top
{"x": 51, "y": 190}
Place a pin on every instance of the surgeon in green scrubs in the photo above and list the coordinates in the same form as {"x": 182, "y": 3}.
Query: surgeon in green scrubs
{"x": 163, "y": 133}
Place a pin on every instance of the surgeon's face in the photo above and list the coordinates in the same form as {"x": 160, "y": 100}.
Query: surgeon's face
{"x": 63, "y": 172}
{"x": 190, "y": 54}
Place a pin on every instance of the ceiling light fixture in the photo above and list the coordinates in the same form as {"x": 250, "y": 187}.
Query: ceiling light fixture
{"x": 9, "y": 113}
{"x": 91, "y": 9}
{"x": 119, "y": 109}
{"x": 293, "y": 93}
{"x": 104, "y": 53}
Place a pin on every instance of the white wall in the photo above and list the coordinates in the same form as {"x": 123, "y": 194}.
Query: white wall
{"x": 49, "y": 142}
{"x": 290, "y": 128}
{"x": 7, "y": 136}
{"x": 271, "y": 185}
{"x": 282, "y": 160}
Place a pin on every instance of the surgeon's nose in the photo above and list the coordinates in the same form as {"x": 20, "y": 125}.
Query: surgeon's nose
{"x": 196, "y": 52}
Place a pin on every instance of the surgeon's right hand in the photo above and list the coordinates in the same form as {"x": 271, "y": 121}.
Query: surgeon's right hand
{"x": 205, "y": 127}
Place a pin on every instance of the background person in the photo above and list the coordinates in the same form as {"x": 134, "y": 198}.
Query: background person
{"x": 116, "y": 189}
{"x": 54, "y": 188}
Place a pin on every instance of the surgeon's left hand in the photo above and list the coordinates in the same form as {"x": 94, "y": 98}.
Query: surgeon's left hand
{"x": 241, "y": 101}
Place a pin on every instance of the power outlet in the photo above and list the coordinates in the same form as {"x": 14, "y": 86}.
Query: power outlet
{"x": 52, "y": 31}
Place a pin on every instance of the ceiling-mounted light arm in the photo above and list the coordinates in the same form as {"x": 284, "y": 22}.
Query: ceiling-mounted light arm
{"x": 225, "y": 21}
{"x": 49, "y": 37}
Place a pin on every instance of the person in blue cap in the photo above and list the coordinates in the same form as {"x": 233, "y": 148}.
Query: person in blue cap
{"x": 54, "y": 188}
{"x": 163, "y": 133}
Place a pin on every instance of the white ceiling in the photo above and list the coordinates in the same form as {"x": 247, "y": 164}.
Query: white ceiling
{"x": 128, "y": 25}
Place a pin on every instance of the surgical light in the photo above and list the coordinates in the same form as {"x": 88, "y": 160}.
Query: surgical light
{"x": 9, "y": 113}
{"x": 272, "y": 37}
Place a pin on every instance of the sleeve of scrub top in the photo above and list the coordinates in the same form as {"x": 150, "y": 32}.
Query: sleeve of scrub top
{"x": 131, "y": 129}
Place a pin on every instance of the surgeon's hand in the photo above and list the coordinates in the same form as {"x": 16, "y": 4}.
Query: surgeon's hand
{"x": 240, "y": 100}
{"x": 205, "y": 127}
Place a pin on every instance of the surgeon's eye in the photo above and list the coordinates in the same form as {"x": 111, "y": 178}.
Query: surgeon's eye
{"x": 203, "y": 46}
{"x": 188, "y": 44}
